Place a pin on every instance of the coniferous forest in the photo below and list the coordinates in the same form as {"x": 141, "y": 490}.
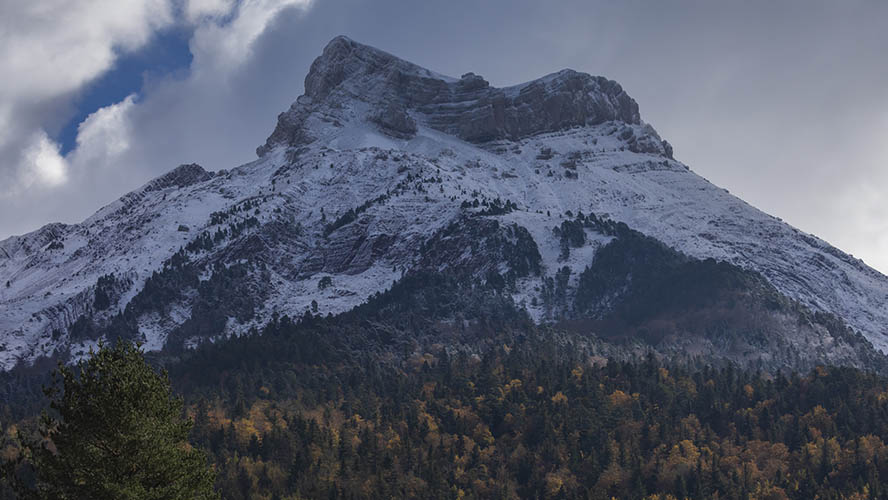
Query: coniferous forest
{"x": 525, "y": 422}
{"x": 292, "y": 413}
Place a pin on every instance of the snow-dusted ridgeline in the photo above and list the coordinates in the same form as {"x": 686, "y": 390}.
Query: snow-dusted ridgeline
{"x": 406, "y": 147}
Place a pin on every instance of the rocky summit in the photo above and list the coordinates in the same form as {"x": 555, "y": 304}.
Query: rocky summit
{"x": 468, "y": 108}
{"x": 550, "y": 200}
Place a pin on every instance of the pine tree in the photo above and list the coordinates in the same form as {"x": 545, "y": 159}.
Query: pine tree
{"x": 115, "y": 432}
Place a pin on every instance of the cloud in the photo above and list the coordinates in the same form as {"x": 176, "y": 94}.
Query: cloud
{"x": 105, "y": 134}
{"x": 49, "y": 50}
{"x": 857, "y": 216}
{"x": 196, "y": 10}
{"x": 220, "y": 47}
{"x": 57, "y": 48}
{"x": 220, "y": 111}
{"x": 39, "y": 165}
{"x": 42, "y": 163}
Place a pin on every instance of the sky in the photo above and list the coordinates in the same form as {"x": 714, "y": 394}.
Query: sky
{"x": 784, "y": 103}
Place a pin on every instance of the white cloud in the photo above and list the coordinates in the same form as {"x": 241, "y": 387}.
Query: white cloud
{"x": 49, "y": 50}
{"x": 40, "y": 166}
{"x": 196, "y": 10}
{"x": 105, "y": 134}
{"x": 55, "y": 46}
{"x": 49, "y": 166}
{"x": 221, "y": 47}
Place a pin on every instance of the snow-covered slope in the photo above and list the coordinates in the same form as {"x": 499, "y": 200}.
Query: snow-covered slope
{"x": 377, "y": 158}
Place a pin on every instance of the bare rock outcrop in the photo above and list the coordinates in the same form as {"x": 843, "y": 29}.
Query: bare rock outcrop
{"x": 402, "y": 93}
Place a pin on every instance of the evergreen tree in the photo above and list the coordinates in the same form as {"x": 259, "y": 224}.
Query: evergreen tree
{"x": 115, "y": 432}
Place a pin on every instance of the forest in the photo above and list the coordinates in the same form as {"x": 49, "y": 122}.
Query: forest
{"x": 439, "y": 389}
{"x": 524, "y": 420}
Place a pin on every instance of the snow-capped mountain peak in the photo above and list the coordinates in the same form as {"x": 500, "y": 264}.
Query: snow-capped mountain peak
{"x": 384, "y": 168}
{"x": 398, "y": 94}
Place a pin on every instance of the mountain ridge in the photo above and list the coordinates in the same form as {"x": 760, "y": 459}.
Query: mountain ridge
{"x": 467, "y": 107}
{"x": 367, "y": 168}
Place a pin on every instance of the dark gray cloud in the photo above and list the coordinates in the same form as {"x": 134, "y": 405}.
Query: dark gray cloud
{"x": 783, "y": 103}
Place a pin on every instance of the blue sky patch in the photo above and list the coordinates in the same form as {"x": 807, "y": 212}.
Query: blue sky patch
{"x": 166, "y": 53}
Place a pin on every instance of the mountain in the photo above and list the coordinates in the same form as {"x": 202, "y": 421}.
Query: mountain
{"x": 552, "y": 197}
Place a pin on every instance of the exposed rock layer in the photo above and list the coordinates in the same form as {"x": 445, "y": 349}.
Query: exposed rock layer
{"x": 468, "y": 108}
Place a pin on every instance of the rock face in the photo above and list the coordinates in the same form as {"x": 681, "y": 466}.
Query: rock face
{"x": 552, "y": 194}
{"x": 478, "y": 113}
{"x": 181, "y": 176}
{"x": 468, "y": 108}
{"x": 394, "y": 120}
